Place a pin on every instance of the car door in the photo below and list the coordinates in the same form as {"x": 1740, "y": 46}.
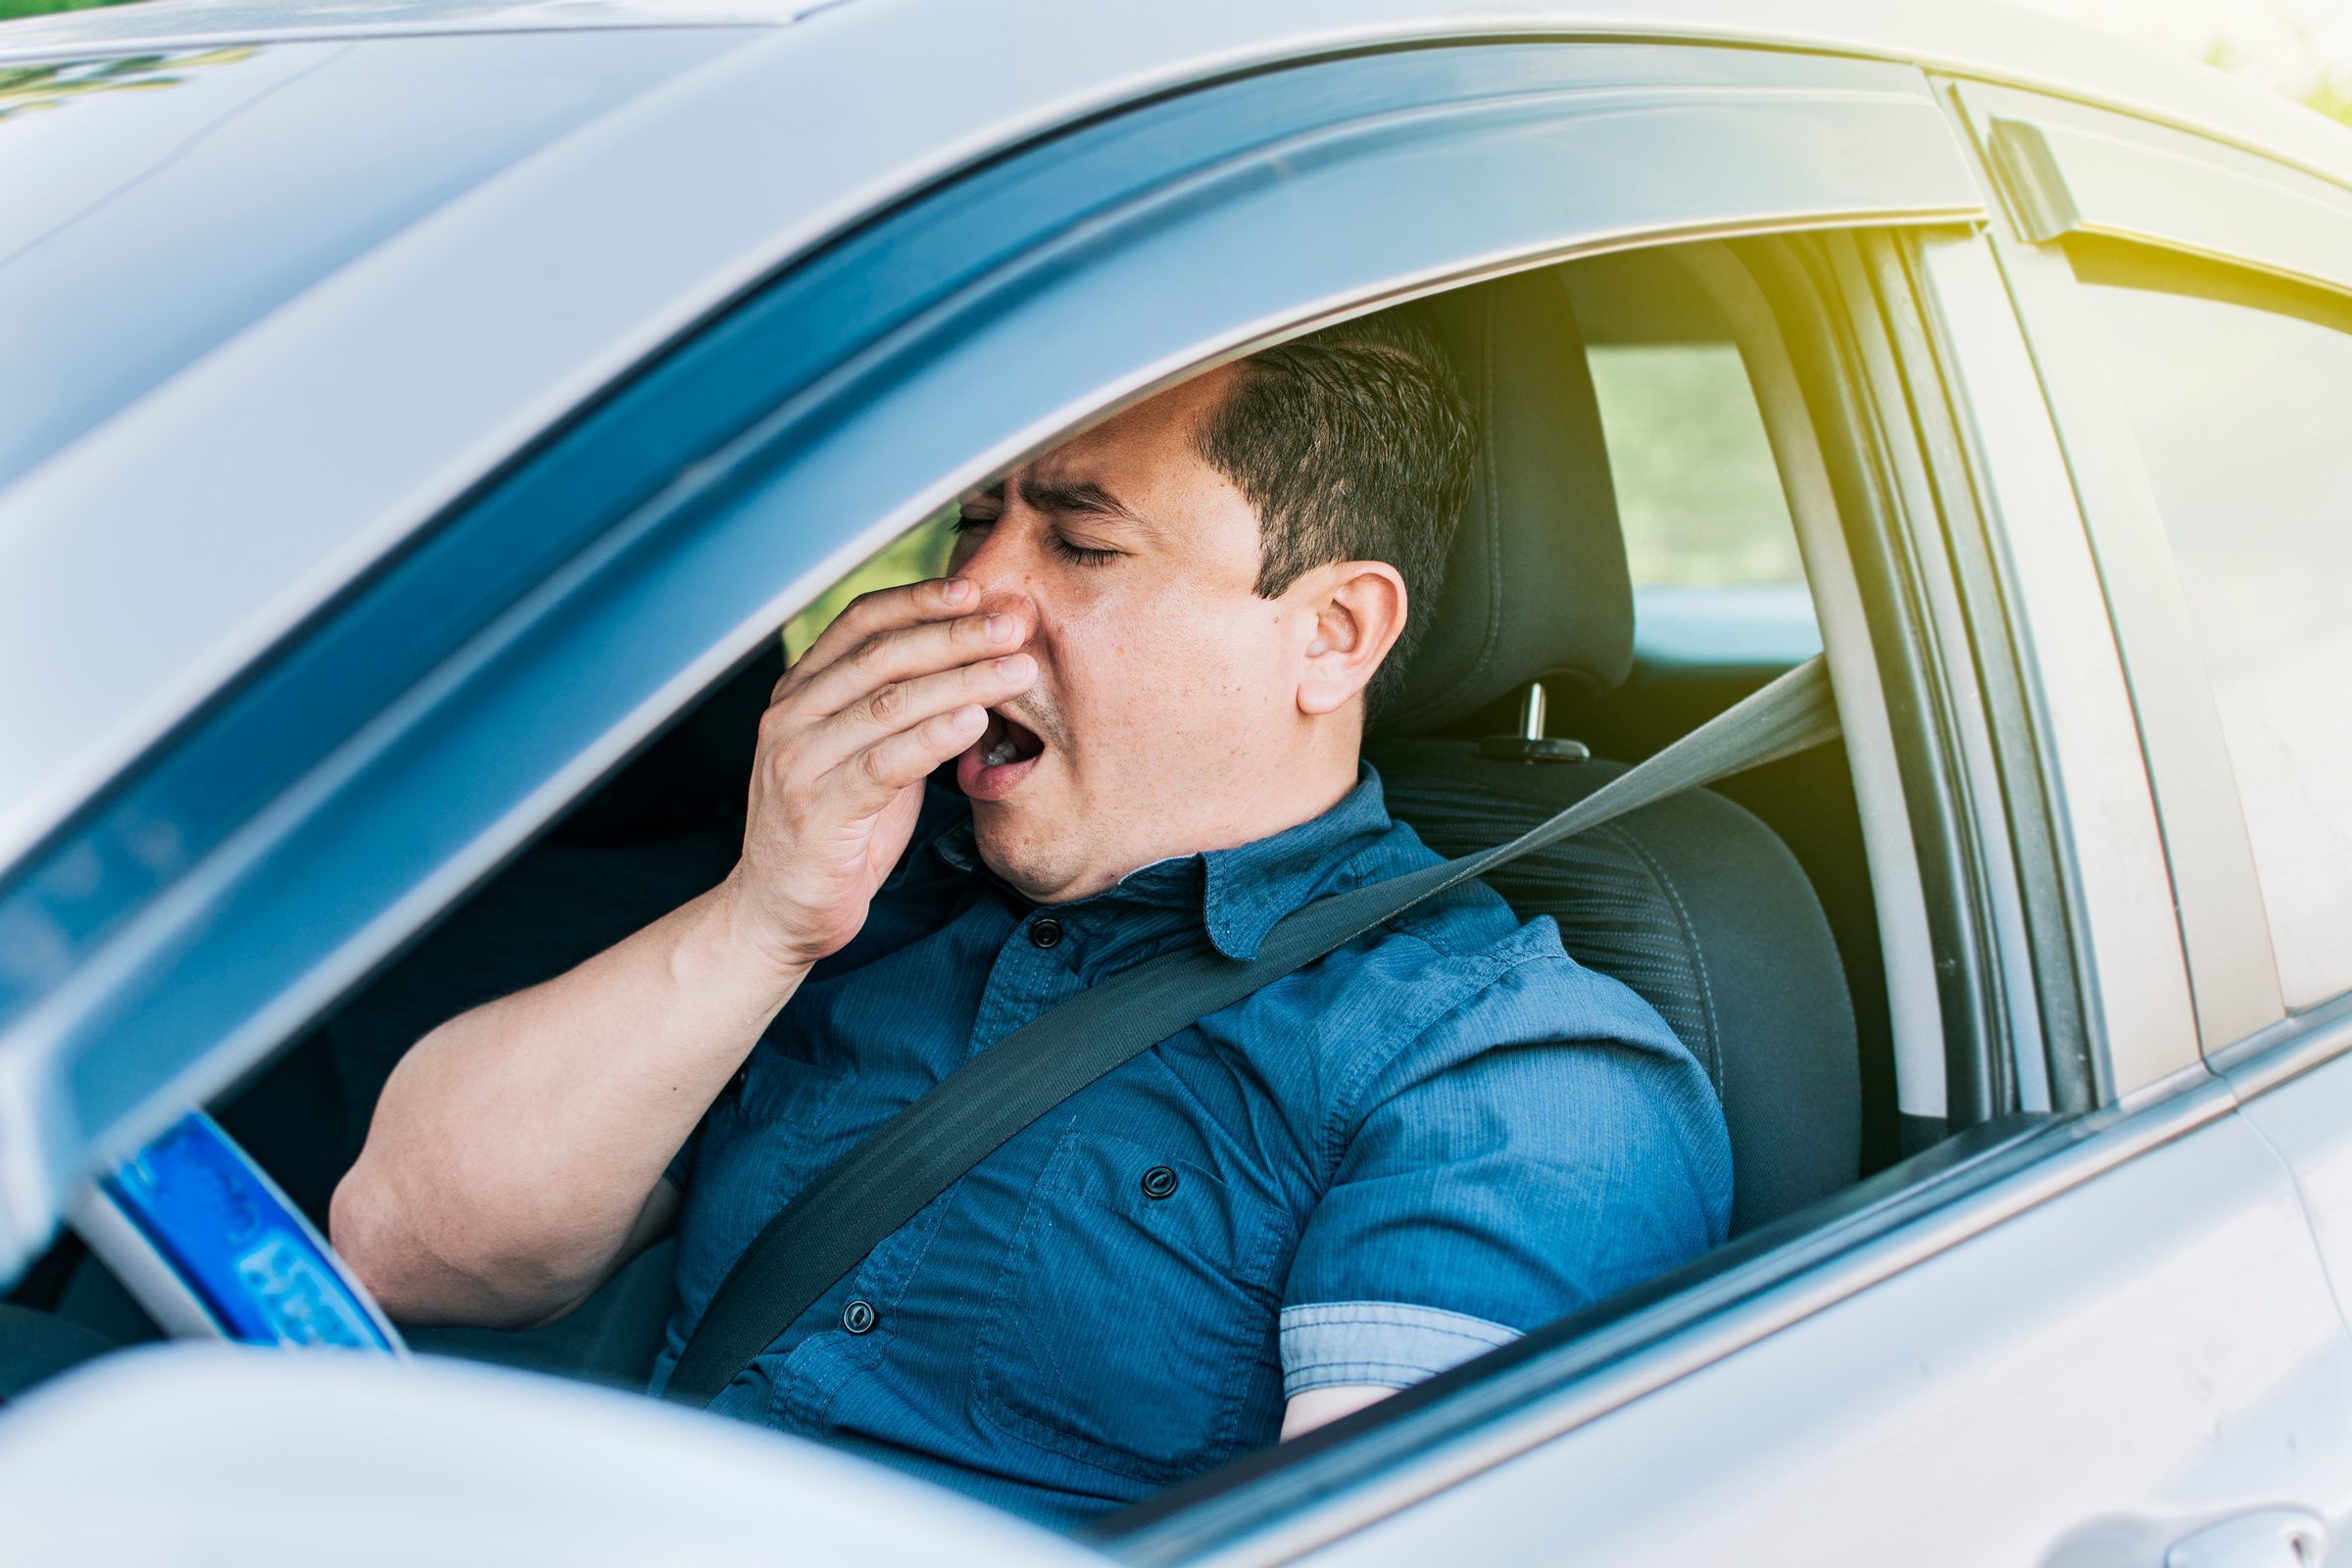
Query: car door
{"x": 2096, "y": 1303}
{"x": 2190, "y": 306}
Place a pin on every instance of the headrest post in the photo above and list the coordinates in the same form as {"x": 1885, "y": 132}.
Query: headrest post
{"x": 1529, "y": 744}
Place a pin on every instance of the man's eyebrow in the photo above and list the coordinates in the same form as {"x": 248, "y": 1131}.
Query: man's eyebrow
{"x": 1080, "y": 496}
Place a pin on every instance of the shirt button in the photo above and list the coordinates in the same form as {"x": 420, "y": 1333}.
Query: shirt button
{"x": 742, "y": 1075}
{"x": 859, "y": 1317}
{"x": 1160, "y": 1182}
{"x": 1045, "y": 933}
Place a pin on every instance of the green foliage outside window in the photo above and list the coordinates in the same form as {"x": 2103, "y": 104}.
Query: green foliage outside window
{"x": 919, "y": 552}
{"x": 1698, "y": 491}
{"x": 36, "y": 8}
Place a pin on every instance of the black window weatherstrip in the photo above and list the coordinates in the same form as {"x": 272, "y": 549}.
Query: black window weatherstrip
{"x": 2040, "y": 883}
{"x": 2004, "y": 948}
{"x": 205, "y": 877}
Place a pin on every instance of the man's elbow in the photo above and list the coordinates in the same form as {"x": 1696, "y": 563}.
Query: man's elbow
{"x": 367, "y": 1228}
{"x": 381, "y": 1243}
{"x": 422, "y": 1272}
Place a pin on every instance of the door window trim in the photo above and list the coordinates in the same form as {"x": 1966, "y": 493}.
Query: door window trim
{"x": 2138, "y": 1012}
{"x": 2033, "y": 917}
{"x": 1893, "y": 518}
{"x": 2065, "y": 168}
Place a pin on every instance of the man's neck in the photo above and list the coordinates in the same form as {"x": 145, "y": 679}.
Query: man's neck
{"x": 1288, "y": 792}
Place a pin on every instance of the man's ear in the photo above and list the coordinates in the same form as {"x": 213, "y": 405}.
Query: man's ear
{"x": 1351, "y": 614}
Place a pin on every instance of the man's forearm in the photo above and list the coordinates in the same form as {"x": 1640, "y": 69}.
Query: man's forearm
{"x": 516, "y": 1154}
{"x": 516, "y": 1148}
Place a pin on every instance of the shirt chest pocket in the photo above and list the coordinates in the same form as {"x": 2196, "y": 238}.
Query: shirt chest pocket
{"x": 1134, "y": 1326}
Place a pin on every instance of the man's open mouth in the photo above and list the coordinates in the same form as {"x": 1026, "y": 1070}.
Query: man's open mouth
{"x": 1000, "y": 757}
{"x": 1008, "y": 739}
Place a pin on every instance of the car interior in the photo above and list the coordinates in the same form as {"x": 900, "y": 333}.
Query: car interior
{"x": 1743, "y": 913}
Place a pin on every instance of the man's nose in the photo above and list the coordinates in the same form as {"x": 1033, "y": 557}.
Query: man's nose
{"x": 997, "y": 570}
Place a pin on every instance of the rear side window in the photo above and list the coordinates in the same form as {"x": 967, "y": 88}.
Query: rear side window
{"x": 1712, "y": 552}
{"x": 2244, "y": 415}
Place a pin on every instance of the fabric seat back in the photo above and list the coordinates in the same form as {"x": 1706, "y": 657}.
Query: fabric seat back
{"x": 1693, "y": 903}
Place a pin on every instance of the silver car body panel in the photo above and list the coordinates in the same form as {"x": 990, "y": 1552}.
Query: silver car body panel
{"x": 244, "y": 1456}
{"x": 247, "y": 501}
{"x": 232, "y": 180}
{"x": 2297, "y": 1081}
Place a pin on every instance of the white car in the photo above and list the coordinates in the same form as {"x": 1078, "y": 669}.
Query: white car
{"x": 419, "y": 417}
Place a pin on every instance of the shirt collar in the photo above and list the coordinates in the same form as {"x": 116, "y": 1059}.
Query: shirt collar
{"x": 1252, "y": 886}
{"x": 1240, "y": 892}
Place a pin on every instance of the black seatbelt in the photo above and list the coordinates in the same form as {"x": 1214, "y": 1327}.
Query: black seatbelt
{"x": 886, "y": 1181}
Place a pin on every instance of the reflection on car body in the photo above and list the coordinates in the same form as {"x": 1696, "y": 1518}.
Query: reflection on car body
{"x": 439, "y": 411}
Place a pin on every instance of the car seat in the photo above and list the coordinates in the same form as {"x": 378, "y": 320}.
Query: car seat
{"x": 1693, "y": 903}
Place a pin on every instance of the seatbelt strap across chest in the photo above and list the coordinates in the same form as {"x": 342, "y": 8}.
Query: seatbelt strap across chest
{"x": 867, "y": 1193}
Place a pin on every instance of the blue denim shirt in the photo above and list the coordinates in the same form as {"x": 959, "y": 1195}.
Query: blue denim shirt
{"x": 1416, "y": 1148}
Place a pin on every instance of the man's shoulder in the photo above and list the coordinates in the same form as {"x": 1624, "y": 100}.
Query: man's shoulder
{"x": 1505, "y": 977}
{"x": 1461, "y": 973}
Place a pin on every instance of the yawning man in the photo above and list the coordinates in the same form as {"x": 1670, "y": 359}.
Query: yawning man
{"x": 1151, "y": 667}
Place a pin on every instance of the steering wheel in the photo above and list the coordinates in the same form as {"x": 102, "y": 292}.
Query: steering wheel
{"x": 204, "y": 1240}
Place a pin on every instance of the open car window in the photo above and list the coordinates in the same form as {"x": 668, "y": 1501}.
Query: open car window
{"x": 1700, "y": 501}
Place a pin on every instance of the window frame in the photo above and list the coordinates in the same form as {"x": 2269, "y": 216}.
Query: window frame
{"x": 1955, "y": 724}
{"x": 1848, "y": 312}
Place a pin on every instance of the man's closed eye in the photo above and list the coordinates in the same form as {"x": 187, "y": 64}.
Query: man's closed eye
{"x": 1080, "y": 554}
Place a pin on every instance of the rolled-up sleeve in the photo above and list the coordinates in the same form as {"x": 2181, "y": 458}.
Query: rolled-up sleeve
{"x": 1386, "y": 1344}
{"x": 1489, "y": 1190}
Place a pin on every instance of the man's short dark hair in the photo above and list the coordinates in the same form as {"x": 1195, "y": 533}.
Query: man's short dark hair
{"x": 1352, "y": 444}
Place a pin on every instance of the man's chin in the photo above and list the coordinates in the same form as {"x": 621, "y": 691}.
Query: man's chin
{"x": 1011, "y": 845}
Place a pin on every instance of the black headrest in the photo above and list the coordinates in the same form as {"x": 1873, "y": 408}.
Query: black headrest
{"x": 1535, "y": 586}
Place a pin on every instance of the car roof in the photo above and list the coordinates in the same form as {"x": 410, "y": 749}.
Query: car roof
{"x": 222, "y": 491}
